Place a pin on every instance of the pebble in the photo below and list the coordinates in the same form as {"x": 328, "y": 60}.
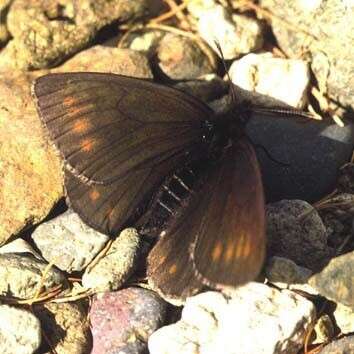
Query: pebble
{"x": 112, "y": 271}
{"x": 344, "y": 317}
{"x": 68, "y": 242}
{"x": 340, "y": 346}
{"x": 20, "y": 331}
{"x": 122, "y": 321}
{"x": 213, "y": 323}
{"x": 295, "y": 231}
{"x": 273, "y": 76}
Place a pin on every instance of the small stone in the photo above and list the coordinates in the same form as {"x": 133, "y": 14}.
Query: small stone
{"x": 295, "y": 231}
{"x": 106, "y": 59}
{"x": 146, "y": 41}
{"x": 122, "y": 321}
{"x": 49, "y": 32}
{"x": 66, "y": 325}
{"x": 235, "y": 34}
{"x": 214, "y": 323}
{"x": 30, "y": 180}
{"x": 181, "y": 59}
{"x": 324, "y": 330}
{"x": 272, "y": 76}
{"x": 20, "y": 331}
{"x": 283, "y": 270}
{"x": 68, "y": 242}
{"x": 19, "y": 246}
{"x": 341, "y": 346}
{"x": 344, "y": 316}
{"x": 21, "y": 275}
{"x": 336, "y": 280}
{"x": 111, "y": 271}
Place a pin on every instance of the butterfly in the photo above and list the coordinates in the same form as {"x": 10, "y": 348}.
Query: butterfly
{"x": 136, "y": 152}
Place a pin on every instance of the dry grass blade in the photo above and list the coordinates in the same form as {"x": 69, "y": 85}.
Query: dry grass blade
{"x": 99, "y": 256}
{"x": 176, "y": 10}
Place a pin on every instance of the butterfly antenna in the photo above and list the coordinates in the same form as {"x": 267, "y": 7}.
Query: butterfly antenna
{"x": 232, "y": 91}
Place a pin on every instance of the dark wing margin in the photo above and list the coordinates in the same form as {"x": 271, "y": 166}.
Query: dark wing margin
{"x": 225, "y": 218}
{"x": 107, "y": 125}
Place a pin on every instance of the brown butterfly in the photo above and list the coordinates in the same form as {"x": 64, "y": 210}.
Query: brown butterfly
{"x": 136, "y": 152}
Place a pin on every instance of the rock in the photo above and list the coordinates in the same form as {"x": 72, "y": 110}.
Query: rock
{"x": 19, "y": 246}
{"x": 20, "y": 276}
{"x": 145, "y": 41}
{"x": 324, "y": 329}
{"x": 254, "y": 319}
{"x": 336, "y": 280}
{"x": 49, "y": 33}
{"x": 340, "y": 346}
{"x": 181, "y": 59}
{"x": 68, "y": 242}
{"x": 344, "y": 316}
{"x": 20, "y": 331}
{"x": 4, "y": 33}
{"x": 235, "y": 34}
{"x": 295, "y": 231}
{"x": 66, "y": 326}
{"x": 273, "y": 76}
{"x": 283, "y": 270}
{"x": 30, "y": 180}
{"x": 106, "y": 59}
{"x": 111, "y": 271}
{"x": 122, "y": 321}
{"x": 327, "y": 42}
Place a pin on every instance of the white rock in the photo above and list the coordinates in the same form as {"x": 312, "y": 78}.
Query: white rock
{"x": 20, "y": 331}
{"x": 344, "y": 316}
{"x": 284, "y": 79}
{"x": 255, "y": 319}
{"x": 19, "y": 246}
{"x": 68, "y": 242}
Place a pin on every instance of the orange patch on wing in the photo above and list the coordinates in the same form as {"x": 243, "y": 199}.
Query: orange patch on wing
{"x": 87, "y": 144}
{"x": 247, "y": 248}
{"x": 94, "y": 194}
{"x": 229, "y": 255}
{"x": 69, "y": 101}
{"x": 240, "y": 246}
{"x": 217, "y": 251}
{"x": 81, "y": 126}
{"x": 173, "y": 269}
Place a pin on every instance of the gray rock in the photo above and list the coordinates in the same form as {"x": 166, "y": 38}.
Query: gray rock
{"x": 122, "y": 321}
{"x": 295, "y": 231}
{"x": 283, "y": 270}
{"x": 341, "y": 346}
{"x": 20, "y": 276}
{"x": 111, "y": 271}
{"x": 254, "y": 319}
{"x": 19, "y": 246}
{"x": 324, "y": 29}
{"x": 67, "y": 327}
{"x": 181, "y": 59}
{"x": 20, "y": 331}
{"x": 68, "y": 242}
{"x": 49, "y": 33}
{"x": 273, "y": 76}
{"x": 324, "y": 330}
{"x": 336, "y": 280}
{"x": 235, "y": 34}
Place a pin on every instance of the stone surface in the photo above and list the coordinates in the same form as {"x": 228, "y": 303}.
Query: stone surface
{"x": 254, "y": 319}
{"x": 283, "y": 270}
{"x": 106, "y": 59}
{"x": 67, "y": 327}
{"x": 327, "y": 40}
{"x": 122, "y": 321}
{"x": 20, "y": 331}
{"x": 344, "y": 316}
{"x": 295, "y": 231}
{"x": 4, "y": 33}
{"x": 340, "y": 346}
{"x": 50, "y": 32}
{"x": 235, "y": 34}
{"x": 181, "y": 59}
{"x": 19, "y": 246}
{"x": 20, "y": 276}
{"x": 273, "y": 76}
{"x": 111, "y": 271}
{"x": 336, "y": 280}
{"x": 324, "y": 330}
{"x": 30, "y": 181}
{"x": 67, "y": 242}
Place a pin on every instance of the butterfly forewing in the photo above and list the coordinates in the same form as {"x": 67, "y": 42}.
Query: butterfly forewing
{"x": 107, "y": 125}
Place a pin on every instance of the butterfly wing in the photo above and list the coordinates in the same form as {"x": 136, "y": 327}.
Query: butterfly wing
{"x": 225, "y": 218}
{"x": 119, "y": 137}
